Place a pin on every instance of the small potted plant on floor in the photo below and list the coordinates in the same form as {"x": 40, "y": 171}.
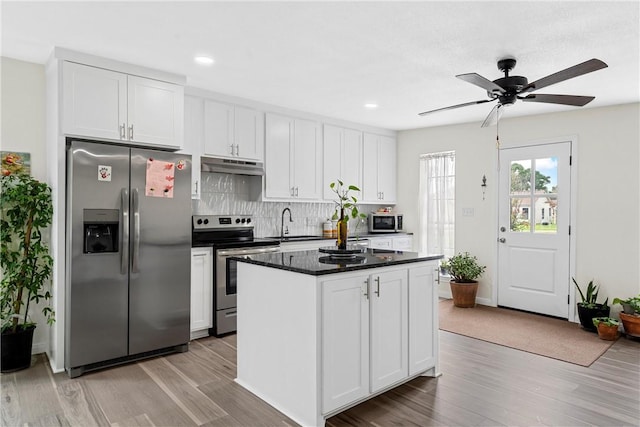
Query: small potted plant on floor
{"x": 464, "y": 270}
{"x": 27, "y": 210}
{"x": 630, "y": 316}
{"x": 589, "y": 308}
{"x": 607, "y": 328}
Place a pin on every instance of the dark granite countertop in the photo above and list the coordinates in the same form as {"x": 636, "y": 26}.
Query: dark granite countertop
{"x": 316, "y": 263}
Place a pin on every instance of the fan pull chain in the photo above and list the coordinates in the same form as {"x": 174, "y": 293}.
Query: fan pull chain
{"x": 498, "y": 141}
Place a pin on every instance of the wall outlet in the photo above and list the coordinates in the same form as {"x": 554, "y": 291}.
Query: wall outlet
{"x": 468, "y": 212}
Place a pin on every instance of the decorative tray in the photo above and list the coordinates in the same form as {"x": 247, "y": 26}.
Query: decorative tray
{"x": 351, "y": 260}
{"x": 350, "y": 252}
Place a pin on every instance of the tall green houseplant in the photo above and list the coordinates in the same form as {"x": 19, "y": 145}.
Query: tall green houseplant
{"x": 26, "y": 210}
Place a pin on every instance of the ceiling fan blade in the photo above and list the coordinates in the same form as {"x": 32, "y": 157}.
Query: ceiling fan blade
{"x": 569, "y": 73}
{"x": 456, "y": 106}
{"x": 493, "y": 117}
{"x": 576, "y": 100}
{"x": 484, "y": 83}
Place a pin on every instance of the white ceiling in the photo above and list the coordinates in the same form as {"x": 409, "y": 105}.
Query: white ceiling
{"x": 330, "y": 58}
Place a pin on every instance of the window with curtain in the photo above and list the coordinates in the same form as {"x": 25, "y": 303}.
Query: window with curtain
{"x": 437, "y": 203}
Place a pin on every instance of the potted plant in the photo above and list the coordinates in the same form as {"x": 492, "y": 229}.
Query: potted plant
{"x": 589, "y": 308}
{"x": 345, "y": 208}
{"x": 607, "y": 328}
{"x": 630, "y": 316}
{"x": 464, "y": 270}
{"x": 26, "y": 265}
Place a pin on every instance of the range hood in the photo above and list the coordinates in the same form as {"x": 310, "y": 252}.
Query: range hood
{"x": 238, "y": 167}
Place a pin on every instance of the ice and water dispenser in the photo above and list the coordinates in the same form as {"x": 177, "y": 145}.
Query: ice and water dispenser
{"x": 101, "y": 230}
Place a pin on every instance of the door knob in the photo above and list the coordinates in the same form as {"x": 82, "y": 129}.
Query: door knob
{"x": 502, "y": 240}
{"x": 503, "y": 229}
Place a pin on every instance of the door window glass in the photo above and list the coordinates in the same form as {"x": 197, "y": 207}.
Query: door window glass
{"x": 534, "y": 195}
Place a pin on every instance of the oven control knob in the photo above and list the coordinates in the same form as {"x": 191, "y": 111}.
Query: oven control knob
{"x": 237, "y": 220}
{"x": 206, "y": 221}
{"x": 244, "y": 220}
{"x": 199, "y": 221}
{"x": 248, "y": 220}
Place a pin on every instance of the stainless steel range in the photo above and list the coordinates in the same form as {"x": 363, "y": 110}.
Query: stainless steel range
{"x": 229, "y": 236}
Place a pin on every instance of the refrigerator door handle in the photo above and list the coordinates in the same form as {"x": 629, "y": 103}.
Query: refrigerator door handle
{"x": 136, "y": 230}
{"x": 124, "y": 229}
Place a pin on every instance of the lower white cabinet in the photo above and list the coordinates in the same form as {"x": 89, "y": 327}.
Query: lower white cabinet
{"x": 395, "y": 243}
{"x": 201, "y": 292}
{"x": 377, "y": 330}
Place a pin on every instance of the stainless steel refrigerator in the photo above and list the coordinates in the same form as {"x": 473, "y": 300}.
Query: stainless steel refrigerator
{"x": 128, "y": 254}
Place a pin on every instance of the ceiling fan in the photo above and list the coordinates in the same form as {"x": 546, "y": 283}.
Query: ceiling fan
{"x": 506, "y": 90}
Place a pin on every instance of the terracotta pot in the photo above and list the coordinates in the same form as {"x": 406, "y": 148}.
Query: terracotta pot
{"x": 607, "y": 332}
{"x": 464, "y": 294}
{"x": 631, "y": 324}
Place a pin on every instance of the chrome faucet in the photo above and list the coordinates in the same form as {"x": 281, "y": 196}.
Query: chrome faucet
{"x": 284, "y": 230}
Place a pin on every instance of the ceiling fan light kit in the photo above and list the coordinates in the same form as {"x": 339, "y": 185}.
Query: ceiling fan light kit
{"x": 508, "y": 89}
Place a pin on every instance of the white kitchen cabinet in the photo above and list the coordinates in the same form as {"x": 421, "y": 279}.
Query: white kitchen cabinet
{"x": 423, "y": 327}
{"x": 193, "y": 138}
{"x": 342, "y": 158}
{"x": 293, "y": 159}
{"x": 233, "y": 131}
{"x": 381, "y": 243}
{"x": 402, "y": 243}
{"x": 201, "y": 292}
{"x": 345, "y": 341}
{"x": 365, "y": 333}
{"x": 396, "y": 243}
{"x": 107, "y": 104}
{"x": 379, "y": 169}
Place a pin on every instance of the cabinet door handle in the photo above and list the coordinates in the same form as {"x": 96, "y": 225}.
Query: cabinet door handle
{"x": 296, "y": 191}
{"x": 437, "y": 270}
{"x": 291, "y": 191}
{"x": 366, "y": 292}
{"x": 231, "y": 149}
{"x": 237, "y": 150}
{"x": 123, "y": 132}
{"x": 196, "y": 187}
{"x": 378, "y": 286}
{"x": 131, "y": 132}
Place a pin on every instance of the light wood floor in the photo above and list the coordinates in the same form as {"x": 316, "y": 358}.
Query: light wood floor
{"x": 482, "y": 385}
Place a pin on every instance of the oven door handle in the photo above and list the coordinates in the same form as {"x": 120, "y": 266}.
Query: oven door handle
{"x": 248, "y": 251}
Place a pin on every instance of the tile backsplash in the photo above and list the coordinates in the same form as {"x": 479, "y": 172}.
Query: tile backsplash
{"x": 226, "y": 194}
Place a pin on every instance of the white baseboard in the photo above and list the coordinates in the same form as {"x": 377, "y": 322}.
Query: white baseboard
{"x": 446, "y": 293}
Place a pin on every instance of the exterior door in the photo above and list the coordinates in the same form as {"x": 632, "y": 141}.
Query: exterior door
{"x": 533, "y": 236}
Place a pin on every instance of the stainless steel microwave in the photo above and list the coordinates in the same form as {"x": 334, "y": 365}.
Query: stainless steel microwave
{"x": 383, "y": 222}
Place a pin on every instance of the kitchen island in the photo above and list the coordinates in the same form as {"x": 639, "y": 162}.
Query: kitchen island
{"x": 317, "y": 335}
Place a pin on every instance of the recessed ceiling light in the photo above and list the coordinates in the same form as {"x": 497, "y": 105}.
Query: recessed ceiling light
{"x": 203, "y": 60}
{"x": 370, "y": 106}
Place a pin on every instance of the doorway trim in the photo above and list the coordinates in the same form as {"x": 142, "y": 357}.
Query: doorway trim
{"x": 573, "y": 206}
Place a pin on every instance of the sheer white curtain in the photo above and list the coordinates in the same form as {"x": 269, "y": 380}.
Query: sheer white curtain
{"x": 437, "y": 203}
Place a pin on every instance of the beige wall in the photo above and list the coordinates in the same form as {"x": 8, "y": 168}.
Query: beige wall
{"x": 23, "y": 129}
{"x": 23, "y": 111}
{"x": 608, "y": 192}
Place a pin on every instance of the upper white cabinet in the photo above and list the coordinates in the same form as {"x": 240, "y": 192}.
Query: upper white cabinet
{"x": 194, "y": 138}
{"x": 293, "y": 158}
{"x": 342, "y": 158}
{"x": 107, "y": 104}
{"x": 379, "y": 169}
{"x": 233, "y": 131}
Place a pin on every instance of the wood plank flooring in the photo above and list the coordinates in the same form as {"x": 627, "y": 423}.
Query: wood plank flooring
{"x": 483, "y": 384}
